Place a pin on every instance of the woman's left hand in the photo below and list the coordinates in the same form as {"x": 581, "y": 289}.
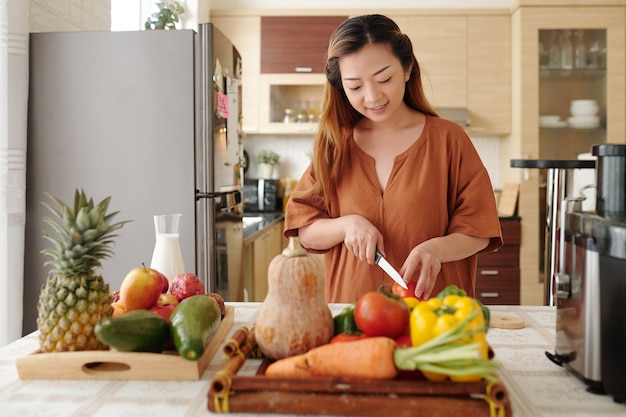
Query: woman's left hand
{"x": 425, "y": 259}
{"x": 426, "y": 266}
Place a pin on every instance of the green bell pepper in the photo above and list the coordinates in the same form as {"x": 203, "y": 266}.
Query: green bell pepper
{"x": 344, "y": 321}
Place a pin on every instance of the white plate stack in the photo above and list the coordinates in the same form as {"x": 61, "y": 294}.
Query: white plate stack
{"x": 584, "y": 114}
{"x": 551, "y": 121}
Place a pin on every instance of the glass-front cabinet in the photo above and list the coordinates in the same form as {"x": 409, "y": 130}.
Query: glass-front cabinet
{"x": 290, "y": 103}
{"x": 569, "y": 94}
{"x": 572, "y": 91}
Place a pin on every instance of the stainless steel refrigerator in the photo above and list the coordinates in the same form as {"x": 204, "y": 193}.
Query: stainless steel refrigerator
{"x": 152, "y": 119}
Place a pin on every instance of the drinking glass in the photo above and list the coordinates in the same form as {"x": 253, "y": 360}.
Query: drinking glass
{"x": 580, "y": 53}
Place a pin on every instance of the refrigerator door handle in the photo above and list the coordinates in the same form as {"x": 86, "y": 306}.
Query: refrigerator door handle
{"x": 223, "y": 199}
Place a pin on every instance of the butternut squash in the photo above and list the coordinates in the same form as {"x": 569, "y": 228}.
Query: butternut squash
{"x": 294, "y": 317}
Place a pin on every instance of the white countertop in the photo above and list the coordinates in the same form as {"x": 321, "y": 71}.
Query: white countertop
{"x": 536, "y": 386}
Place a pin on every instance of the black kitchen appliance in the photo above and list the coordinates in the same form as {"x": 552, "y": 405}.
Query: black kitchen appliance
{"x": 260, "y": 195}
{"x": 590, "y": 283}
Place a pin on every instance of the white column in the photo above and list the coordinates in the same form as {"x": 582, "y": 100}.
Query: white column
{"x": 13, "y": 121}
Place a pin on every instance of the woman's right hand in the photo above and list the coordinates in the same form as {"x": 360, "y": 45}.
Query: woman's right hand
{"x": 362, "y": 238}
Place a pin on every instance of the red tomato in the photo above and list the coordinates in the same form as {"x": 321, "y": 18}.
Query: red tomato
{"x": 380, "y": 314}
{"x": 404, "y": 340}
{"x": 347, "y": 337}
{"x": 410, "y": 292}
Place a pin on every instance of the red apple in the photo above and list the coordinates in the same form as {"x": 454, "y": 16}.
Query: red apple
{"x": 185, "y": 285}
{"x": 164, "y": 281}
{"x": 140, "y": 289}
{"x": 163, "y": 310}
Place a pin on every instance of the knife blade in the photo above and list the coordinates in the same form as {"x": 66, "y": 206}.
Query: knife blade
{"x": 390, "y": 270}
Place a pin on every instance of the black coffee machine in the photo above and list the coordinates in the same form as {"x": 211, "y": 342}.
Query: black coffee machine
{"x": 590, "y": 283}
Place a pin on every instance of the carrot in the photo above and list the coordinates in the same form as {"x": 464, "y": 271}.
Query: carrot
{"x": 370, "y": 358}
{"x": 292, "y": 367}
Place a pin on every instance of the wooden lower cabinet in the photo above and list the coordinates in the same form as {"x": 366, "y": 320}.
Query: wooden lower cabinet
{"x": 257, "y": 257}
{"x": 498, "y": 272}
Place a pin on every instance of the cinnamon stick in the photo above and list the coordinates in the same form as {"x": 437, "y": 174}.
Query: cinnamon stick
{"x": 232, "y": 346}
{"x": 364, "y": 386}
{"x": 222, "y": 381}
{"x": 370, "y": 405}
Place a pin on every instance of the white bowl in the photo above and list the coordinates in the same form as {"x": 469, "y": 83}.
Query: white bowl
{"x": 583, "y": 112}
{"x": 584, "y": 102}
{"x": 584, "y": 108}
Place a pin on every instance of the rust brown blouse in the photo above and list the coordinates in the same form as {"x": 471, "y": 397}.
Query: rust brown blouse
{"x": 436, "y": 187}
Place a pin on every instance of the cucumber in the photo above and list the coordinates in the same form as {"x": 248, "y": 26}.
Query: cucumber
{"x": 135, "y": 331}
{"x": 193, "y": 323}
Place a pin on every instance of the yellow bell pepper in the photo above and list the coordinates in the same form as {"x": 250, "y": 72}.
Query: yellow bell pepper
{"x": 411, "y": 302}
{"x": 430, "y": 318}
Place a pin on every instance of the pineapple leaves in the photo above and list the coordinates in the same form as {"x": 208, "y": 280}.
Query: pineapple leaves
{"x": 83, "y": 235}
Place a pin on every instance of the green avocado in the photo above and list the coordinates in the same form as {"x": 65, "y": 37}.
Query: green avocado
{"x": 135, "y": 331}
{"x": 193, "y": 323}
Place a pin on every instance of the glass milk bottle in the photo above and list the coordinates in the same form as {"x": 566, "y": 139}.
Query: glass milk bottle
{"x": 167, "y": 257}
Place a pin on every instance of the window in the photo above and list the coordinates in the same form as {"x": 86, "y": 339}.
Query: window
{"x": 130, "y": 14}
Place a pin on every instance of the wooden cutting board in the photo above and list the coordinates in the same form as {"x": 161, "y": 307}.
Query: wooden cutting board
{"x": 508, "y": 200}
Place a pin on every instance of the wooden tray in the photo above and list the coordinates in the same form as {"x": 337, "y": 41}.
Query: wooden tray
{"x": 232, "y": 393}
{"x": 113, "y": 365}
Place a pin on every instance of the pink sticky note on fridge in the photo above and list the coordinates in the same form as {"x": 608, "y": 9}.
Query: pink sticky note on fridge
{"x": 222, "y": 105}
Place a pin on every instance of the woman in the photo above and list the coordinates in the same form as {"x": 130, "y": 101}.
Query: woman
{"x": 388, "y": 173}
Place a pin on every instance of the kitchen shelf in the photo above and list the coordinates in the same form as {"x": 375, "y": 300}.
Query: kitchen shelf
{"x": 586, "y": 74}
{"x": 571, "y": 130}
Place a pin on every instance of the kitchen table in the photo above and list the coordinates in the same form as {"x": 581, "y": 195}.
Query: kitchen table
{"x": 536, "y": 386}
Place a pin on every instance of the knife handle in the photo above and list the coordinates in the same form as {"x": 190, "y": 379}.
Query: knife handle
{"x": 378, "y": 256}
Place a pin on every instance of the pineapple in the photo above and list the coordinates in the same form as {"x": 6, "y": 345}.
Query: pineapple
{"x": 75, "y": 297}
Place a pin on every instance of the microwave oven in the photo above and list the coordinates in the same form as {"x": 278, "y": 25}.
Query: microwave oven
{"x": 260, "y": 195}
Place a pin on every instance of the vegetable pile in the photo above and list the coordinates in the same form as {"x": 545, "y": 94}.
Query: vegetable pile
{"x": 383, "y": 335}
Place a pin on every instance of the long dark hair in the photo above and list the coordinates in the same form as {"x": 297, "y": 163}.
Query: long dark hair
{"x": 338, "y": 115}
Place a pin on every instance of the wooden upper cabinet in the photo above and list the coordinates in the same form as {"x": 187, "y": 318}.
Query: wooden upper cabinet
{"x": 465, "y": 62}
{"x": 489, "y": 74}
{"x": 296, "y": 43}
{"x": 440, "y": 46}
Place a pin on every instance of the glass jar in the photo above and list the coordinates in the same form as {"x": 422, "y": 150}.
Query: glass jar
{"x": 288, "y": 116}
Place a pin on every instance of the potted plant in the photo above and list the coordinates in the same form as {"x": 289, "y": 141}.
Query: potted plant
{"x": 267, "y": 160}
{"x": 166, "y": 17}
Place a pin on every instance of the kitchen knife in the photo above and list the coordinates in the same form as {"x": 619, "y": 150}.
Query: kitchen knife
{"x": 390, "y": 270}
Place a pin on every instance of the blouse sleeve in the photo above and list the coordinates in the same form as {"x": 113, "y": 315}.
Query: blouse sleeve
{"x": 303, "y": 210}
{"x": 475, "y": 212}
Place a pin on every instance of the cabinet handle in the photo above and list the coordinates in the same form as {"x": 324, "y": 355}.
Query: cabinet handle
{"x": 489, "y": 272}
{"x": 304, "y": 69}
{"x": 490, "y": 294}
